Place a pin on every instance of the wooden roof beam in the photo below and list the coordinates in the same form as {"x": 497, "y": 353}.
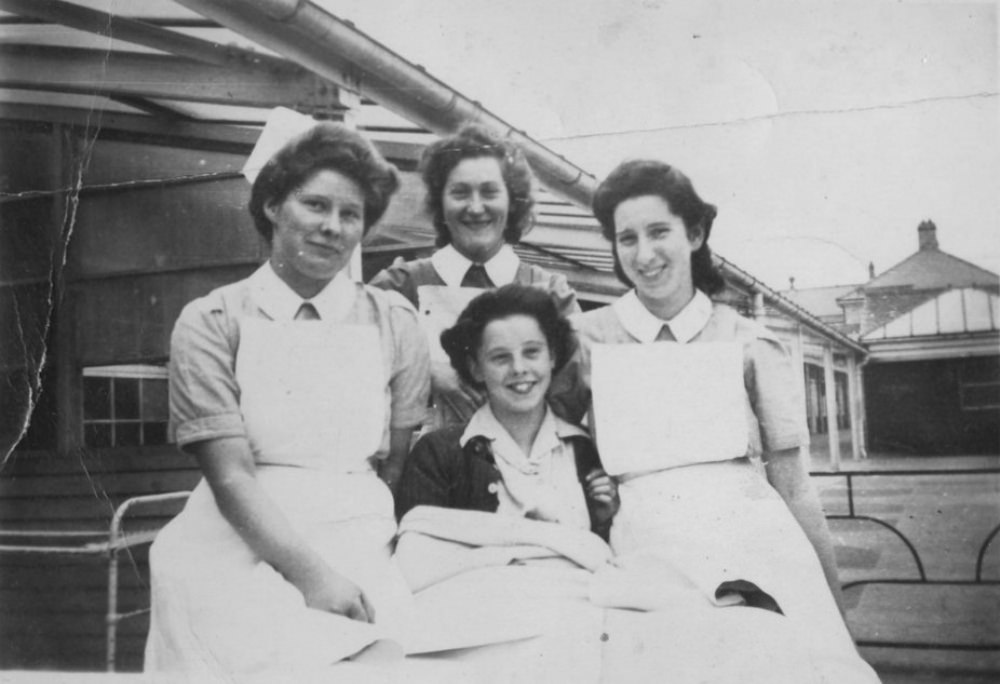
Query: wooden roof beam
{"x": 134, "y": 31}
{"x": 150, "y": 107}
{"x": 154, "y": 130}
{"x": 163, "y": 77}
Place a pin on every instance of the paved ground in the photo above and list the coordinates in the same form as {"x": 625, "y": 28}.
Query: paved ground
{"x": 947, "y": 518}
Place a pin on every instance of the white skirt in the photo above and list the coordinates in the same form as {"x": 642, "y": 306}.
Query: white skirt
{"x": 217, "y": 608}
{"x": 722, "y": 522}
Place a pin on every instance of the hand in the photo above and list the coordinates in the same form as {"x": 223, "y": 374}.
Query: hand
{"x": 330, "y": 591}
{"x": 449, "y": 388}
{"x": 603, "y": 492}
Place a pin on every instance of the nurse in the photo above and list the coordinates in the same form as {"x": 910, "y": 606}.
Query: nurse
{"x": 698, "y": 415}
{"x": 297, "y": 390}
{"x": 480, "y": 200}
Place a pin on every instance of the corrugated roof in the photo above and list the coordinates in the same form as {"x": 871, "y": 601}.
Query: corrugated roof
{"x": 959, "y": 311}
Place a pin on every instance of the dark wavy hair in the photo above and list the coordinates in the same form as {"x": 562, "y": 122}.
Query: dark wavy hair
{"x": 471, "y": 142}
{"x": 325, "y": 146}
{"x": 462, "y": 341}
{"x": 640, "y": 177}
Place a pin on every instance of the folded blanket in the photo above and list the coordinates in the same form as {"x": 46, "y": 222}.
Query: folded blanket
{"x": 522, "y": 539}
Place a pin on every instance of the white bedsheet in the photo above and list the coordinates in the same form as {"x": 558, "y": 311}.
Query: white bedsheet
{"x": 634, "y": 620}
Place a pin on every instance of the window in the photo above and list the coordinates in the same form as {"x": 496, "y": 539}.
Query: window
{"x": 843, "y": 401}
{"x": 979, "y": 383}
{"x": 124, "y": 406}
{"x": 815, "y": 399}
{"x": 980, "y": 395}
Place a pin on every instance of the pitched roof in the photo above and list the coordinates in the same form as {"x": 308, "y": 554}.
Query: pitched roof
{"x": 930, "y": 269}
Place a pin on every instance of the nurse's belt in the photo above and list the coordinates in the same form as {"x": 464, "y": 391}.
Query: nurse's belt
{"x": 440, "y": 306}
{"x": 665, "y": 404}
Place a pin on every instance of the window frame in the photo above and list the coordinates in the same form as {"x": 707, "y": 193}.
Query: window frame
{"x": 137, "y": 372}
{"x": 965, "y": 385}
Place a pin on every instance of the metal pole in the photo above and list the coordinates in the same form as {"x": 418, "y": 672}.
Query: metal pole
{"x": 336, "y": 50}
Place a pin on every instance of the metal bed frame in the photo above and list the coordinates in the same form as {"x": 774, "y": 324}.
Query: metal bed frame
{"x": 977, "y": 581}
{"x": 110, "y": 543}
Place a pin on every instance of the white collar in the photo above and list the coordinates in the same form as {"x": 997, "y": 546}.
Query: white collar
{"x": 280, "y": 302}
{"x": 451, "y": 265}
{"x": 644, "y": 326}
{"x": 553, "y": 429}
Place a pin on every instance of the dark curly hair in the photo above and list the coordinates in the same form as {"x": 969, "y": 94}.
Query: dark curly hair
{"x": 462, "y": 341}
{"x": 471, "y": 142}
{"x": 640, "y": 177}
{"x": 325, "y": 146}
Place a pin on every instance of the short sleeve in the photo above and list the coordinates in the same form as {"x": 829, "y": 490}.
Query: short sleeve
{"x": 204, "y": 395}
{"x": 775, "y": 393}
{"x": 410, "y": 383}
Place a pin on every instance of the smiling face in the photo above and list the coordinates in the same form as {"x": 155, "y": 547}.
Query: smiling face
{"x": 316, "y": 229}
{"x": 514, "y": 363}
{"x": 475, "y": 204}
{"x": 654, "y": 250}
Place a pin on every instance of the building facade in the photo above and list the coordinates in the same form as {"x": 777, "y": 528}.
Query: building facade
{"x": 931, "y": 325}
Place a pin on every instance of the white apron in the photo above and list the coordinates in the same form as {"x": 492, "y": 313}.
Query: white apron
{"x": 313, "y": 401}
{"x": 440, "y": 306}
{"x": 664, "y": 405}
{"x": 671, "y": 423}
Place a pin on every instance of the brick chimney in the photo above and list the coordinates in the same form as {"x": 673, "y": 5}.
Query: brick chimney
{"x": 927, "y": 235}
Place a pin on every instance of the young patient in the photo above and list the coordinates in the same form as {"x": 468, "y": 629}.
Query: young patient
{"x": 514, "y": 457}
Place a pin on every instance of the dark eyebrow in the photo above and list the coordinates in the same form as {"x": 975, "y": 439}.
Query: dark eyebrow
{"x": 467, "y": 184}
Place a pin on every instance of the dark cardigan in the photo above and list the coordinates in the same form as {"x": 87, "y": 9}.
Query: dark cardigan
{"x": 439, "y": 472}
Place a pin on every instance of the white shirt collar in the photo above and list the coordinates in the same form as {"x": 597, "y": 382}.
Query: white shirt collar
{"x": 280, "y": 302}
{"x": 644, "y": 326}
{"x": 553, "y": 429}
{"x": 452, "y": 265}
{"x": 544, "y": 483}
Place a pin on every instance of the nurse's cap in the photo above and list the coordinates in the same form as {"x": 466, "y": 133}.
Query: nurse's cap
{"x": 282, "y": 125}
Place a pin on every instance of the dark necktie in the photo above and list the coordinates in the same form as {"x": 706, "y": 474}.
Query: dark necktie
{"x": 665, "y": 335}
{"x": 476, "y": 277}
{"x": 307, "y": 312}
